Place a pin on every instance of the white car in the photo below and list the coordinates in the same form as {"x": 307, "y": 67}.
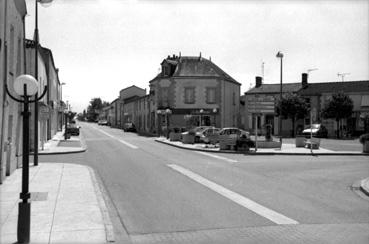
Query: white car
{"x": 234, "y": 131}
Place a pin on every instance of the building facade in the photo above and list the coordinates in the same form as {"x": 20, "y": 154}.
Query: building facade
{"x": 260, "y": 104}
{"x": 113, "y": 114}
{"x": 319, "y": 94}
{"x": 126, "y": 95}
{"x": 50, "y": 106}
{"x": 193, "y": 91}
{"x": 12, "y": 64}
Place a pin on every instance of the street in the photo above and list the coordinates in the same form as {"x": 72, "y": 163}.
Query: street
{"x": 162, "y": 194}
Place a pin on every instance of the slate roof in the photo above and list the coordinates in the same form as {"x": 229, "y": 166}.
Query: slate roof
{"x": 275, "y": 88}
{"x": 187, "y": 66}
{"x": 334, "y": 87}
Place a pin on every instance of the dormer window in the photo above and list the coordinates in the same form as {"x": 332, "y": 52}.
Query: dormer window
{"x": 165, "y": 70}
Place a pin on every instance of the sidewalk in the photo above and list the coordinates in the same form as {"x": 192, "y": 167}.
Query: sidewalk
{"x": 57, "y": 145}
{"x": 66, "y": 201}
{"x": 66, "y": 205}
{"x": 287, "y": 149}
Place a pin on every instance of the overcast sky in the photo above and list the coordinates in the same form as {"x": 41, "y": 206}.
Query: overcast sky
{"x": 103, "y": 46}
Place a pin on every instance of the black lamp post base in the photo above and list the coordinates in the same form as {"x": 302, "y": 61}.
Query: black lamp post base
{"x": 24, "y": 221}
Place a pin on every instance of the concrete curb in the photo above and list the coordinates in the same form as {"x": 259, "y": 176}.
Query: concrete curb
{"x": 109, "y": 231}
{"x": 68, "y": 150}
{"x": 78, "y": 150}
{"x": 364, "y": 186}
{"x": 268, "y": 153}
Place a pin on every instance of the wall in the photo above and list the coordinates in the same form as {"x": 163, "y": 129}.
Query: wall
{"x": 200, "y": 86}
{"x": 11, "y": 66}
{"x": 42, "y": 79}
{"x": 230, "y": 116}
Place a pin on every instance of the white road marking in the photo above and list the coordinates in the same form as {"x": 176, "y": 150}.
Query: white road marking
{"x": 120, "y": 140}
{"x": 128, "y": 144}
{"x": 106, "y": 133}
{"x": 235, "y": 197}
{"x": 218, "y": 157}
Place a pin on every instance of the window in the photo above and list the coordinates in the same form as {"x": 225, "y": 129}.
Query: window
{"x": 165, "y": 70}
{"x": 365, "y": 100}
{"x": 210, "y": 95}
{"x": 11, "y": 50}
{"x": 189, "y": 95}
{"x": 234, "y": 98}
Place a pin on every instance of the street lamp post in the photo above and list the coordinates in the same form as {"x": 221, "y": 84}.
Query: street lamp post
{"x": 201, "y": 112}
{"x": 167, "y": 112}
{"x": 25, "y": 86}
{"x": 36, "y": 36}
{"x": 61, "y": 100}
{"x": 159, "y": 112}
{"x": 280, "y": 55}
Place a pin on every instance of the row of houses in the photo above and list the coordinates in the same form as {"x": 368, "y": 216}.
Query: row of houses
{"x": 193, "y": 91}
{"x": 17, "y": 57}
{"x": 259, "y": 104}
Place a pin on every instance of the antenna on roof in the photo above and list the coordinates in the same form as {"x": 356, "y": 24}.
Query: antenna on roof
{"x": 262, "y": 71}
{"x": 310, "y": 70}
{"x": 342, "y": 75}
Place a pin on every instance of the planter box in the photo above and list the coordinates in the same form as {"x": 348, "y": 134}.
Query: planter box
{"x": 227, "y": 142}
{"x": 175, "y": 136}
{"x": 188, "y": 139}
{"x": 300, "y": 141}
{"x": 213, "y": 139}
{"x": 268, "y": 144}
{"x": 366, "y": 147}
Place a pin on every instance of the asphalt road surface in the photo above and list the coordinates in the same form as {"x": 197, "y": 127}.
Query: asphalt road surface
{"x": 163, "y": 194}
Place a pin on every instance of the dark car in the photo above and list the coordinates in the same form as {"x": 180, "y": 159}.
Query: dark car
{"x": 316, "y": 130}
{"x": 73, "y": 129}
{"x": 129, "y": 127}
{"x": 103, "y": 122}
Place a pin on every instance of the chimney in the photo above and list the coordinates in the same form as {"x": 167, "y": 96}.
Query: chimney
{"x": 200, "y": 57}
{"x": 258, "y": 81}
{"x": 304, "y": 80}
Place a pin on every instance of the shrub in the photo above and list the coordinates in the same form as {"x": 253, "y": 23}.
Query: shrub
{"x": 192, "y": 132}
{"x": 363, "y": 138}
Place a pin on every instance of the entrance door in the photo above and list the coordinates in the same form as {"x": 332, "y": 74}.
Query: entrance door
{"x": 269, "y": 119}
{"x": 9, "y": 146}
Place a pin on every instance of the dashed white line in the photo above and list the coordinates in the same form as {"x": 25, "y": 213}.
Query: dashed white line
{"x": 128, "y": 144}
{"x": 235, "y": 197}
{"x": 120, "y": 140}
{"x": 218, "y": 157}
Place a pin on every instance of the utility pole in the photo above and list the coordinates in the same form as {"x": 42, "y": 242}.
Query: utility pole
{"x": 342, "y": 75}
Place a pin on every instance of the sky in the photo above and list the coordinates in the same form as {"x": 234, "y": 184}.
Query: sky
{"x": 103, "y": 46}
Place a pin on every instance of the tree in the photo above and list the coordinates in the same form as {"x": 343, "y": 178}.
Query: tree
{"x": 94, "y": 108}
{"x": 338, "y": 107}
{"x": 293, "y": 107}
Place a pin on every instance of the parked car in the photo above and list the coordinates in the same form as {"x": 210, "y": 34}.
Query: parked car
{"x": 234, "y": 131}
{"x": 196, "y": 130}
{"x": 102, "y": 122}
{"x": 129, "y": 127}
{"x": 72, "y": 129}
{"x": 317, "y": 130}
{"x": 205, "y": 134}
